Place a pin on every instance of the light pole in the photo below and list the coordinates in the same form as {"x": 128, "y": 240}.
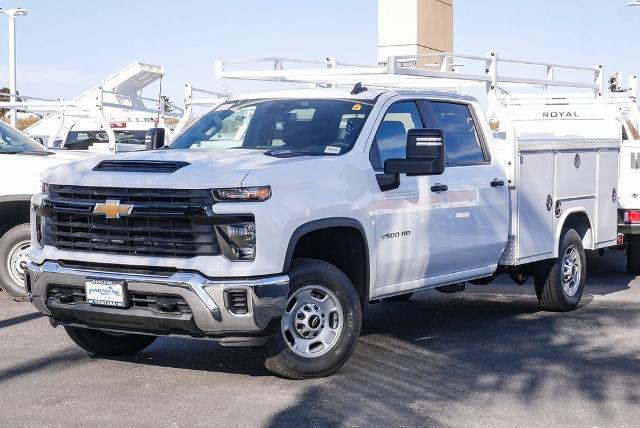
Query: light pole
{"x": 12, "y": 14}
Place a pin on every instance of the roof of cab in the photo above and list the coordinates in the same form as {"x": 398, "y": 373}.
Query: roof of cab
{"x": 370, "y": 94}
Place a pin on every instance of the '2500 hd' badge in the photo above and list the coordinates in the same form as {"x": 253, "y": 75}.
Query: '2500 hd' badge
{"x": 396, "y": 234}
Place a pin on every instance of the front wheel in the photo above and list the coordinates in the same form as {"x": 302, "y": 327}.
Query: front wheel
{"x": 633, "y": 254}
{"x": 101, "y": 343}
{"x": 320, "y": 325}
{"x": 14, "y": 253}
{"x": 560, "y": 283}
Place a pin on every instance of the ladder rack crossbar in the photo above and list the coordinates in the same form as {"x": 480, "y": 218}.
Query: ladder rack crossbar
{"x": 545, "y": 64}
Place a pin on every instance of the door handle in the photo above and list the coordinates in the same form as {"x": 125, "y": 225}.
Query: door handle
{"x": 439, "y": 187}
{"x": 497, "y": 183}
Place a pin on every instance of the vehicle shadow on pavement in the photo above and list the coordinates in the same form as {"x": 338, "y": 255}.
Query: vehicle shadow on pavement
{"x": 428, "y": 361}
{"x": 198, "y": 355}
{"x": 19, "y": 319}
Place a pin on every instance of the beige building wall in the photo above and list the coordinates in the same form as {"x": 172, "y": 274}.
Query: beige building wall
{"x": 408, "y": 27}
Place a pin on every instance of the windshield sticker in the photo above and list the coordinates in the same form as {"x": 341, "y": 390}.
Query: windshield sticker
{"x": 332, "y": 150}
{"x": 356, "y": 107}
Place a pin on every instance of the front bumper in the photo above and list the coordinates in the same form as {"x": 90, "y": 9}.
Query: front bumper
{"x": 208, "y": 313}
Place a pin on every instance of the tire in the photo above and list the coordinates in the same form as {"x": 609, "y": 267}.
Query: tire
{"x": 399, "y": 298}
{"x": 557, "y": 292}
{"x": 633, "y": 254}
{"x": 107, "y": 344}
{"x": 322, "y": 300}
{"x": 14, "y": 249}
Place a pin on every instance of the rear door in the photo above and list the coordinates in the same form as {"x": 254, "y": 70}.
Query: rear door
{"x": 477, "y": 189}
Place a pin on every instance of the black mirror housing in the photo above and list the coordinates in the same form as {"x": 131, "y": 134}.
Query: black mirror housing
{"x": 425, "y": 154}
{"x": 154, "y": 139}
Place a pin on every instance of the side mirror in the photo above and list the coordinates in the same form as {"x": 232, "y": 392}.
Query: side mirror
{"x": 425, "y": 154}
{"x": 154, "y": 138}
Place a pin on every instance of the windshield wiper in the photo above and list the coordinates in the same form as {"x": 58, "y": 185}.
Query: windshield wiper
{"x": 287, "y": 153}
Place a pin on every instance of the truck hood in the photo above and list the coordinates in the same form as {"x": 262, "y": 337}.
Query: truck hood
{"x": 205, "y": 168}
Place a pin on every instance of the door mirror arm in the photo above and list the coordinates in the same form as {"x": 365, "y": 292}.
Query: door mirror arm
{"x": 388, "y": 181}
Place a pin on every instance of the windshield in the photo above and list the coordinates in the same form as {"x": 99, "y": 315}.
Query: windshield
{"x": 13, "y": 141}
{"x": 303, "y": 126}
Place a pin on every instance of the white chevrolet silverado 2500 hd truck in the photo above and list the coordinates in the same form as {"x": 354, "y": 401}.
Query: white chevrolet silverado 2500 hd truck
{"x": 22, "y": 160}
{"x": 274, "y": 219}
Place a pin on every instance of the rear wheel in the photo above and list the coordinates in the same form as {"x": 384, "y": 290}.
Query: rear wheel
{"x": 633, "y": 254}
{"x": 108, "y": 344}
{"x": 14, "y": 256}
{"x": 320, "y": 325}
{"x": 560, "y": 283}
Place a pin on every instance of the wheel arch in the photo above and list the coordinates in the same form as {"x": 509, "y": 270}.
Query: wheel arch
{"x": 308, "y": 239}
{"x": 577, "y": 219}
{"x": 14, "y": 210}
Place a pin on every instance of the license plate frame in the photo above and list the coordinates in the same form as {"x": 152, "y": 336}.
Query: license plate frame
{"x": 106, "y": 292}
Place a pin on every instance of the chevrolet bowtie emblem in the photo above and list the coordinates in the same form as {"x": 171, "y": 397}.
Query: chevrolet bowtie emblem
{"x": 112, "y": 209}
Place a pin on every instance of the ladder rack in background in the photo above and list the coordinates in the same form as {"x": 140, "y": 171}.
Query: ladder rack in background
{"x": 211, "y": 99}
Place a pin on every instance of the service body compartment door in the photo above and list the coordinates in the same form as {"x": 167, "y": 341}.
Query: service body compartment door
{"x": 535, "y": 206}
{"x": 608, "y": 191}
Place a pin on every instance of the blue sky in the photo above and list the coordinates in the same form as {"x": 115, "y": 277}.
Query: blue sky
{"x": 67, "y": 46}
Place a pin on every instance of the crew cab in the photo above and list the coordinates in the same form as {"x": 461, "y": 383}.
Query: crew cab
{"x": 277, "y": 217}
{"x": 22, "y": 160}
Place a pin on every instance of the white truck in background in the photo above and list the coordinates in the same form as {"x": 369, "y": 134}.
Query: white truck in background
{"x": 113, "y": 116}
{"x": 626, "y": 100}
{"x": 274, "y": 219}
{"x": 22, "y": 161}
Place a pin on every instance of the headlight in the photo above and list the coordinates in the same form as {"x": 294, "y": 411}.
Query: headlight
{"x": 237, "y": 240}
{"x": 242, "y": 194}
{"x": 44, "y": 188}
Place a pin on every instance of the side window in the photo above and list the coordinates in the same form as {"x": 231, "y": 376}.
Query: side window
{"x": 462, "y": 142}
{"x": 391, "y": 138}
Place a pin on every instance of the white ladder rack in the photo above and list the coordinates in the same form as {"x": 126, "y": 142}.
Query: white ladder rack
{"x": 425, "y": 71}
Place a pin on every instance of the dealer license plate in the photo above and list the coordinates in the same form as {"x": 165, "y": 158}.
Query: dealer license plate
{"x": 105, "y": 292}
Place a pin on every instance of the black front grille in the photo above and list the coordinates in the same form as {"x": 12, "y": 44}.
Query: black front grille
{"x": 237, "y": 301}
{"x": 161, "y": 222}
{"x": 161, "y": 303}
{"x": 158, "y": 197}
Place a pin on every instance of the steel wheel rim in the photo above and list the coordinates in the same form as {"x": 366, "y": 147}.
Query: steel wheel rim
{"x": 313, "y": 321}
{"x": 571, "y": 271}
{"x": 17, "y": 262}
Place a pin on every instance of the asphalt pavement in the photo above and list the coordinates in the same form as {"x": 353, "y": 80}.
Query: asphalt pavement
{"x": 485, "y": 357}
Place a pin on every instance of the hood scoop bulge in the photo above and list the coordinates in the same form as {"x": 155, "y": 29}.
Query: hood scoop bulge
{"x": 149, "y": 166}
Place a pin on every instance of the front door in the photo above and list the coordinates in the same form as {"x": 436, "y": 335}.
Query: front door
{"x": 412, "y": 221}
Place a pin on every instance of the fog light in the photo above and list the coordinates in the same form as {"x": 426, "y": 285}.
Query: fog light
{"x": 237, "y": 240}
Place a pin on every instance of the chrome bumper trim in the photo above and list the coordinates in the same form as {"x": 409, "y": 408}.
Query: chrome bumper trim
{"x": 266, "y": 296}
